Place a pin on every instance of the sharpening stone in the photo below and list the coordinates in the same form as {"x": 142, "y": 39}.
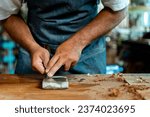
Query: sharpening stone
{"x": 55, "y": 82}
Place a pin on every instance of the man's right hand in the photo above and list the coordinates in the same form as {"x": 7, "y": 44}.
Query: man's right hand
{"x": 23, "y": 36}
{"x": 40, "y": 58}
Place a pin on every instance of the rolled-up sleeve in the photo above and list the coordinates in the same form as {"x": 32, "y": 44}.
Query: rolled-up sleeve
{"x": 9, "y": 7}
{"x": 115, "y": 5}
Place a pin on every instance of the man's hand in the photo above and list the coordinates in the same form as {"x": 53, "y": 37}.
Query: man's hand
{"x": 67, "y": 55}
{"x": 23, "y": 36}
{"x": 40, "y": 58}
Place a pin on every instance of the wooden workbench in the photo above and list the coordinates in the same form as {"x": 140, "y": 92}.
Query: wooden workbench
{"x": 82, "y": 87}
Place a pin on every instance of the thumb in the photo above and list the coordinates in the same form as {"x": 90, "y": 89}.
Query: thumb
{"x": 45, "y": 59}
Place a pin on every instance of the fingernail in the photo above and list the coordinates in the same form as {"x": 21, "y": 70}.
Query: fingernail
{"x": 47, "y": 70}
{"x": 50, "y": 75}
{"x": 66, "y": 69}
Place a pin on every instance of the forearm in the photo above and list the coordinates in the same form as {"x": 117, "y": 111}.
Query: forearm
{"x": 19, "y": 32}
{"x": 105, "y": 21}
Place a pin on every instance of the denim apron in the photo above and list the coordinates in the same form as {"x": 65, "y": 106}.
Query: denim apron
{"x": 52, "y": 22}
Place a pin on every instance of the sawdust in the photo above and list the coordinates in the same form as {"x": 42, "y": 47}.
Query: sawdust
{"x": 113, "y": 92}
{"x": 118, "y": 77}
{"x": 113, "y": 87}
{"x": 133, "y": 89}
{"x": 108, "y": 87}
{"x": 138, "y": 87}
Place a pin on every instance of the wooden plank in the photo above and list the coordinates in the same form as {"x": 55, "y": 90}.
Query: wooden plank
{"x": 82, "y": 87}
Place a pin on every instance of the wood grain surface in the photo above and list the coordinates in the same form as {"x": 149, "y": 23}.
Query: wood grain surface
{"x": 82, "y": 87}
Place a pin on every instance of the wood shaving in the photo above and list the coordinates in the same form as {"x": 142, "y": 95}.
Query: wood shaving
{"x": 113, "y": 92}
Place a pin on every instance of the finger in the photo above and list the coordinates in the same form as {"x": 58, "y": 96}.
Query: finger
{"x": 38, "y": 66}
{"x": 67, "y": 66}
{"x": 73, "y": 64}
{"x": 34, "y": 69}
{"x": 46, "y": 59}
{"x": 56, "y": 67}
{"x": 52, "y": 62}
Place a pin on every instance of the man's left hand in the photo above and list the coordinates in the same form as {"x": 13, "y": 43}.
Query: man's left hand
{"x": 67, "y": 55}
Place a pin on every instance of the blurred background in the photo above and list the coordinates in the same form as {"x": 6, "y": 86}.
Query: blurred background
{"x": 128, "y": 45}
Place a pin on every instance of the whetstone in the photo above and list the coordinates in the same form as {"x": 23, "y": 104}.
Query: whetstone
{"x": 55, "y": 82}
